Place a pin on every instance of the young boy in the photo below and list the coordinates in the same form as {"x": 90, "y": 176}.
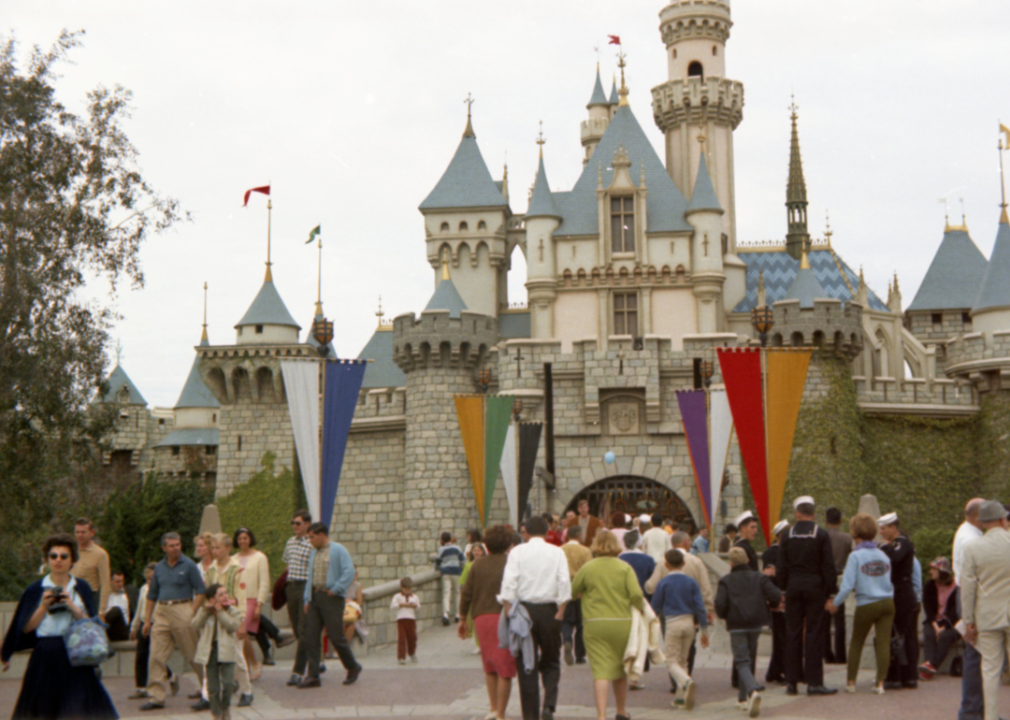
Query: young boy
{"x": 406, "y": 604}
{"x": 216, "y": 622}
{"x": 450, "y": 563}
{"x": 742, "y": 600}
{"x": 678, "y": 599}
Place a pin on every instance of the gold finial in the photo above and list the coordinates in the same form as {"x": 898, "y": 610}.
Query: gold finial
{"x": 804, "y": 260}
{"x": 1002, "y": 178}
{"x": 964, "y": 221}
{"x": 270, "y": 206}
{"x": 827, "y": 231}
{"x": 379, "y": 314}
{"x": 203, "y": 335}
{"x": 540, "y": 139}
{"x": 793, "y": 107}
{"x": 623, "y": 92}
{"x": 445, "y": 264}
{"x": 468, "y": 132}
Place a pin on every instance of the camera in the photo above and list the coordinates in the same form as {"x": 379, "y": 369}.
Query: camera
{"x": 59, "y": 601}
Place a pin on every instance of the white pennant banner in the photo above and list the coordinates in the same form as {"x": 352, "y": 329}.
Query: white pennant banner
{"x": 301, "y": 384}
{"x": 721, "y": 430}
{"x": 510, "y": 474}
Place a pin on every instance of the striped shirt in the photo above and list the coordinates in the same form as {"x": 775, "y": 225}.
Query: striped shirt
{"x": 296, "y": 556}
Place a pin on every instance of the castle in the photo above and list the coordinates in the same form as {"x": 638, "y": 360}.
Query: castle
{"x": 633, "y": 274}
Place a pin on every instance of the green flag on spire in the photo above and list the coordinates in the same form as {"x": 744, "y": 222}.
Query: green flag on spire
{"x": 312, "y": 235}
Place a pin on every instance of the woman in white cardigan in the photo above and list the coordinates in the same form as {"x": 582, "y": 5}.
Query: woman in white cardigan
{"x": 255, "y": 581}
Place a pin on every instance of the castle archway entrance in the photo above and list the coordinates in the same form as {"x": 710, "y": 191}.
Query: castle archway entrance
{"x": 632, "y": 494}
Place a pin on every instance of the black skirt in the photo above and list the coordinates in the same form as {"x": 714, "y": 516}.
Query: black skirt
{"x": 53, "y": 689}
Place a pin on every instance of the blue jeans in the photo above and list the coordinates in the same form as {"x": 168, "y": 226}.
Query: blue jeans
{"x": 971, "y": 685}
{"x": 745, "y": 644}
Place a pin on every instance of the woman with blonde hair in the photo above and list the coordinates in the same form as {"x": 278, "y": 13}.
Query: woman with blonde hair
{"x": 204, "y": 558}
{"x": 868, "y": 573}
{"x": 609, "y": 589}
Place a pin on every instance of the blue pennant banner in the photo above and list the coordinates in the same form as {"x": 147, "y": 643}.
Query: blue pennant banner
{"x": 343, "y": 385}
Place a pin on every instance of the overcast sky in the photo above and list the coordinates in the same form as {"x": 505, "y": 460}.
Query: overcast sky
{"x": 351, "y": 110}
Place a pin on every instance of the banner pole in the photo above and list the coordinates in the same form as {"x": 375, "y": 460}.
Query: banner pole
{"x": 322, "y": 412}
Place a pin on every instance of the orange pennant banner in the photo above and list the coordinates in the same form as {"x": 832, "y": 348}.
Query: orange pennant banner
{"x": 786, "y": 374}
{"x": 470, "y": 412}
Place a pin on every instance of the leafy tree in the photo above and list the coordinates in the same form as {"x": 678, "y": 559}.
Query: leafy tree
{"x": 73, "y": 208}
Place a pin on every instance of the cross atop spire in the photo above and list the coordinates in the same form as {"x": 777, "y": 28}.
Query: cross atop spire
{"x": 827, "y": 231}
{"x": 468, "y": 132}
{"x": 1002, "y": 178}
{"x": 540, "y": 138}
{"x": 203, "y": 336}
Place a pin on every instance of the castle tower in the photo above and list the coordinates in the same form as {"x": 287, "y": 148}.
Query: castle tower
{"x": 542, "y": 219}
{"x": 797, "y": 237}
{"x": 699, "y": 100}
{"x": 467, "y": 215}
{"x": 599, "y": 117}
{"x": 439, "y": 352}
{"x": 991, "y": 311}
{"x": 705, "y": 215}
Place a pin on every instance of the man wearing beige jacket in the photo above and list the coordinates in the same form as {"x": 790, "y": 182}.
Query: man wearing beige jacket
{"x": 985, "y": 599}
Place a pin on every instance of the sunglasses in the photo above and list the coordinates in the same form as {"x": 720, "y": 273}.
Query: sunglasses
{"x": 296, "y": 522}
{"x": 59, "y": 556}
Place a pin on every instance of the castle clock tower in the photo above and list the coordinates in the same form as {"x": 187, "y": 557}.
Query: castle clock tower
{"x": 698, "y": 100}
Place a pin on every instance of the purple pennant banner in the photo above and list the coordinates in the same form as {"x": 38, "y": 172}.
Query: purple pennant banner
{"x": 694, "y": 415}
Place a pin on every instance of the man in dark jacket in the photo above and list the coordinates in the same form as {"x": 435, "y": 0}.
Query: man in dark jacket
{"x": 747, "y": 527}
{"x": 742, "y": 600}
{"x": 770, "y": 560}
{"x": 807, "y": 572}
{"x": 904, "y": 670}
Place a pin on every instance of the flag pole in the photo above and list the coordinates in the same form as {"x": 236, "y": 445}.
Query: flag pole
{"x": 270, "y": 205}
{"x": 319, "y": 277}
{"x": 322, "y": 398}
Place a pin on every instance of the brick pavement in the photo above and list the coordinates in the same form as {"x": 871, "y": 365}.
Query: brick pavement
{"x": 448, "y": 684}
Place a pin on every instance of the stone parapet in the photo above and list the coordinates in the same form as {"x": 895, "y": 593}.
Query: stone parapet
{"x": 829, "y": 324}
{"x": 436, "y": 340}
{"x": 688, "y": 19}
{"x": 695, "y": 100}
{"x": 915, "y": 396}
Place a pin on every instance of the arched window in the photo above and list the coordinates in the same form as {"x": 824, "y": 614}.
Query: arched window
{"x": 444, "y": 228}
{"x": 715, "y": 50}
{"x": 482, "y": 225}
{"x": 695, "y": 70}
{"x": 675, "y": 53}
{"x": 463, "y": 227}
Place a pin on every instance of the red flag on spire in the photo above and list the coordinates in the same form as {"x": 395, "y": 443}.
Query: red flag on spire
{"x": 614, "y": 39}
{"x": 265, "y": 189}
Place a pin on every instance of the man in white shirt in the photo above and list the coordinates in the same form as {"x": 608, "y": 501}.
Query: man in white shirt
{"x": 656, "y": 541}
{"x": 971, "y": 676}
{"x": 122, "y": 603}
{"x": 536, "y": 575}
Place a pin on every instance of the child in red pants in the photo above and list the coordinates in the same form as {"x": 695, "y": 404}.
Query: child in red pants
{"x": 406, "y": 603}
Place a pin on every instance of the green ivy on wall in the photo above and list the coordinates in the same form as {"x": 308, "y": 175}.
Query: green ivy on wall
{"x": 994, "y": 446}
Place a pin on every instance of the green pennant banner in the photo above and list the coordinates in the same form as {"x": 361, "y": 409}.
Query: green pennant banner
{"x": 496, "y": 425}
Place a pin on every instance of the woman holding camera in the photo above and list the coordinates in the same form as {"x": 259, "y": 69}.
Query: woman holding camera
{"x": 51, "y": 687}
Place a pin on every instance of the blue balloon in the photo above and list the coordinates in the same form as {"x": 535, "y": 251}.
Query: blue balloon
{"x": 609, "y": 458}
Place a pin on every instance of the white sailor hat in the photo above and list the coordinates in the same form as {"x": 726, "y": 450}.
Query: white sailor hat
{"x": 889, "y": 519}
{"x": 780, "y": 526}
{"x": 644, "y": 518}
{"x": 742, "y": 517}
{"x": 802, "y": 500}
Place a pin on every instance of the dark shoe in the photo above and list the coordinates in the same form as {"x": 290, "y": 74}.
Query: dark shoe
{"x": 622, "y": 717}
{"x": 194, "y": 696}
{"x": 286, "y": 641}
{"x": 445, "y": 620}
{"x": 892, "y": 685}
{"x": 791, "y": 689}
{"x": 294, "y": 680}
{"x": 268, "y": 658}
{"x": 138, "y": 694}
{"x": 309, "y": 682}
{"x": 245, "y": 700}
{"x": 149, "y": 705}
{"x": 322, "y": 668}
{"x": 352, "y": 675}
{"x": 820, "y": 690}
{"x": 546, "y": 714}
{"x": 760, "y": 688}
{"x": 910, "y": 684}
{"x": 200, "y": 705}
{"x": 569, "y": 656}
{"x": 775, "y": 679}
{"x": 580, "y": 661}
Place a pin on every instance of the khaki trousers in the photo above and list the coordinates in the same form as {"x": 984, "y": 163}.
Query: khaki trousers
{"x": 995, "y": 647}
{"x": 170, "y": 630}
{"x": 679, "y": 638}
{"x": 240, "y": 672}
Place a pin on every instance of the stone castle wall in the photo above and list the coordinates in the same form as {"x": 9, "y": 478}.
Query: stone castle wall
{"x": 247, "y": 432}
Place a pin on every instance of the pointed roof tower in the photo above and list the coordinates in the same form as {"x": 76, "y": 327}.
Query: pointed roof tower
{"x": 268, "y": 309}
{"x": 954, "y": 276}
{"x": 446, "y": 296}
{"x": 703, "y": 197}
{"x": 194, "y": 393}
{"x": 806, "y": 288}
{"x": 614, "y": 98}
{"x": 466, "y": 182}
{"x": 797, "y": 237}
{"x": 599, "y": 97}
{"x": 542, "y": 201}
{"x": 121, "y": 389}
{"x": 995, "y": 289}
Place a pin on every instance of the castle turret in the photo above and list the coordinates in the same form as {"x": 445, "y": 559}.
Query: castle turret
{"x": 699, "y": 100}
{"x": 542, "y": 219}
{"x": 991, "y": 310}
{"x": 467, "y": 215}
{"x": 599, "y": 118}
{"x": 267, "y": 321}
{"x": 705, "y": 215}
{"x": 797, "y": 237}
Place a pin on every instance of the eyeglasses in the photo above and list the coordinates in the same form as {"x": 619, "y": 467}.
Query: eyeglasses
{"x": 296, "y": 522}
{"x": 59, "y": 556}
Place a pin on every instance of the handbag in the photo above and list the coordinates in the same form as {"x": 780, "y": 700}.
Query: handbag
{"x": 86, "y": 642}
{"x": 352, "y": 612}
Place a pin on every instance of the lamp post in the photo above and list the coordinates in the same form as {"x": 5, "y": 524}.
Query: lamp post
{"x": 322, "y": 331}
{"x": 707, "y": 371}
{"x": 762, "y": 321}
{"x": 484, "y": 379}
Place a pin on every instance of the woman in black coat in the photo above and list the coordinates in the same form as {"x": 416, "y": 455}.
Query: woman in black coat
{"x": 939, "y": 603}
{"x": 51, "y": 687}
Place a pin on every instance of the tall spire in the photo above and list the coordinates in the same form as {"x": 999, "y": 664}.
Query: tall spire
{"x": 468, "y": 132}
{"x": 203, "y": 335}
{"x": 1002, "y": 179}
{"x": 623, "y": 92}
{"x": 797, "y": 237}
{"x": 319, "y": 276}
{"x": 270, "y": 208}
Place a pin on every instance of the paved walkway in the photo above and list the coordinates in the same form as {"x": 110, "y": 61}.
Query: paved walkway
{"x": 448, "y": 683}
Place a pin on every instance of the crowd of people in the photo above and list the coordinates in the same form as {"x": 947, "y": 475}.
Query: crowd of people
{"x": 619, "y": 595}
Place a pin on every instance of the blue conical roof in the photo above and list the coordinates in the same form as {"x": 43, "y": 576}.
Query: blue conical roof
{"x": 995, "y": 290}
{"x": 542, "y": 201}
{"x": 381, "y": 371}
{"x": 614, "y": 97}
{"x": 805, "y": 288}
{"x": 446, "y": 297}
{"x": 117, "y": 380}
{"x": 955, "y": 275}
{"x": 599, "y": 97}
{"x": 704, "y": 197}
{"x": 268, "y": 309}
{"x": 466, "y": 182}
{"x": 194, "y": 393}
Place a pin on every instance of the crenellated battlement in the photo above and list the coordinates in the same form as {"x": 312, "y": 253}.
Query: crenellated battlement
{"x": 437, "y": 340}
{"x": 829, "y": 323}
{"x": 694, "y": 99}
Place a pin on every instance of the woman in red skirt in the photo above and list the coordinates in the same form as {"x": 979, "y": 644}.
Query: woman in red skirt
{"x": 479, "y": 597}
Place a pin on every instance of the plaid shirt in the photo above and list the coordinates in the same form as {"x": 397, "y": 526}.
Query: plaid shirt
{"x": 296, "y": 556}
